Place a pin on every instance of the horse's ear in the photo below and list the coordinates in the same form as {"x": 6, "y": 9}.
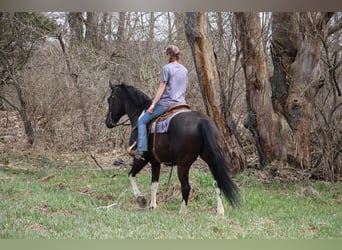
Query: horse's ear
{"x": 111, "y": 85}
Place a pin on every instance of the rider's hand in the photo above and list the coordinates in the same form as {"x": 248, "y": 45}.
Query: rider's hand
{"x": 150, "y": 109}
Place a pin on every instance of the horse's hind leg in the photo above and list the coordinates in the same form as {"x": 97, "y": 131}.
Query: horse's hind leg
{"x": 220, "y": 208}
{"x": 137, "y": 166}
{"x": 183, "y": 176}
{"x": 205, "y": 155}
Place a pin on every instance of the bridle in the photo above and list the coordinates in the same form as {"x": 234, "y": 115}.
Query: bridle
{"x": 124, "y": 123}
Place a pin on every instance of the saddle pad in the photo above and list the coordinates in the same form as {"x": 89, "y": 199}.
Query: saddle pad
{"x": 163, "y": 126}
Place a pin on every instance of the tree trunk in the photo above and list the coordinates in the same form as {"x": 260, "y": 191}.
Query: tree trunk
{"x": 17, "y": 41}
{"x": 296, "y": 43}
{"x": 23, "y": 114}
{"x": 121, "y": 28}
{"x": 268, "y": 128}
{"x": 196, "y": 26}
{"x": 179, "y": 24}
{"x": 105, "y": 35}
{"x": 22, "y": 110}
{"x": 280, "y": 109}
{"x": 91, "y": 35}
{"x": 151, "y": 27}
{"x": 75, "y": 20}
{"x": 2, "y": 103}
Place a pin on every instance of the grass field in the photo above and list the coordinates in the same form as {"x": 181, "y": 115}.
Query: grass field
{"x": 47, "y": 197}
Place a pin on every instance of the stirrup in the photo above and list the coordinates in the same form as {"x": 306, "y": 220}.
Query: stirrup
{"x": 138, "y": 155}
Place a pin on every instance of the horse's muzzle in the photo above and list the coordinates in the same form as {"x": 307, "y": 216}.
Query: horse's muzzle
{"x": 109, "y": 122}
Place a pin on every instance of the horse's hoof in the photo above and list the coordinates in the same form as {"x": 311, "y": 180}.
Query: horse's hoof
{"x": 142, "y": 201}
{"x": 220, "y": 212}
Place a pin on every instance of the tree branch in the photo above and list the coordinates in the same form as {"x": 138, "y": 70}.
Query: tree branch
{"x": 9, "y": 103}
{"x": 335, "y": 28}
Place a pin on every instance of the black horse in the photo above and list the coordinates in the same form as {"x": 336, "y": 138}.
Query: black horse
{"x": 190, "y": 134}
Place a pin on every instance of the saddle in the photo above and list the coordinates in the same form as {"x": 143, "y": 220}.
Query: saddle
{"x": 161, "y": 123}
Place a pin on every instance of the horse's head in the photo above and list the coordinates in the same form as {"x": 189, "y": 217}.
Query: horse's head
{"x": 115, "y": 106}
{"x": 125, "y": 99}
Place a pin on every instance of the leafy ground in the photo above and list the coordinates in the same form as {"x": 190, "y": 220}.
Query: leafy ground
{"x": 69, "y": 197}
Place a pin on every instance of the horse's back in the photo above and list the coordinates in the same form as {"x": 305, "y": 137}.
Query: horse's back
{"x": 187, "y": 122}
{"x": 183, "y": 142}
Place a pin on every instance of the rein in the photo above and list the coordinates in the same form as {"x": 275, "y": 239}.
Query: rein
{"x": 123, "y": 123}
{"x": 127, "y": 124}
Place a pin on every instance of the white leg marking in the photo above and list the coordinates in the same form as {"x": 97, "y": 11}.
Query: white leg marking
{"x": 183, "y": 208}
{"x": 220, "y": 208}
{"x": 154, "y": 188}
{"x": 135, "y": 187}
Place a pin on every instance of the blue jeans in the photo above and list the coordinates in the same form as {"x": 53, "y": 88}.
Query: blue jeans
{"x": 143, "y": 120}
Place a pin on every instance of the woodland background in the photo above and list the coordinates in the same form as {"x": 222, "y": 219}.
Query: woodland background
{"x": 270, "y": 81}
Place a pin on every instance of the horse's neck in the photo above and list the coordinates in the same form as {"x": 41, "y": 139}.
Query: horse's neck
{"x": 133, "y": 115}
{"x": 134, "y": 120}
{"x": 133, "y": 111}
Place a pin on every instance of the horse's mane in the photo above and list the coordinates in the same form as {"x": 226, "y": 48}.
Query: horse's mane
{"x": 137, "y": 97}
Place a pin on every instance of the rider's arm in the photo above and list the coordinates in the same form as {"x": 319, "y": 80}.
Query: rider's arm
{"x": 157, "y": 97}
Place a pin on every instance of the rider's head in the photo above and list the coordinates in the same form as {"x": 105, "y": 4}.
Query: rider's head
{"x": 173, "y": 51}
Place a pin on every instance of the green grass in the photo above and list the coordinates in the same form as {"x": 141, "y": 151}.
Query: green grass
{"x": 45, "y": 197}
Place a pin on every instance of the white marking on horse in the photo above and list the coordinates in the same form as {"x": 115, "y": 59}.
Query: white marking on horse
{"x": 135, "y": 187}
{"x": 154, "y": 188}
{"x": 183, "y": 208}
{"x": 220, "y": 208}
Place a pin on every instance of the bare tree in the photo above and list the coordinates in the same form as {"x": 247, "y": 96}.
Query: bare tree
{"x": 227, "y": 53}
{"x": 280, "y": 110}
{"x": 21, "y": 34}
{"x": 196, "y": 30}
{"x": 326, "y": 137}
{"x": 75, "y": 20}
{"x": 179, "y": 24}
{"x": 92, "y": 30}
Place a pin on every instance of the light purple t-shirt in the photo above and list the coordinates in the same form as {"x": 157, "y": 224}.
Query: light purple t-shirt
{"x": 175, "y": 75}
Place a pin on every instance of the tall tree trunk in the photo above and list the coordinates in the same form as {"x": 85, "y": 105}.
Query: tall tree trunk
{"x": 17, "y": 43}
{"x": 121, "y": 28}
{"x": 179, "y": 24}
{"x": 23, "y": 114}
{"x": 280, "y": 109}
{"x": 75, "y": 20}
{"x": 105, "y": 36}
{"x": 196, "y": 26}
{"x": 151, "y": 27}
{"x": 268, "y": 128}
{"x": 91, "y": 34}
{"x": 22, "y": 109}
{"x": 296, "y": 47}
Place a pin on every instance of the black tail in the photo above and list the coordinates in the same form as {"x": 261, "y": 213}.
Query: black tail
{"x": 213, "y": 155}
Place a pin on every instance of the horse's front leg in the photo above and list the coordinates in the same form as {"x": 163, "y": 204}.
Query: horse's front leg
{"x": 154, "y": 184}
{"x": 137, "y": 166}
